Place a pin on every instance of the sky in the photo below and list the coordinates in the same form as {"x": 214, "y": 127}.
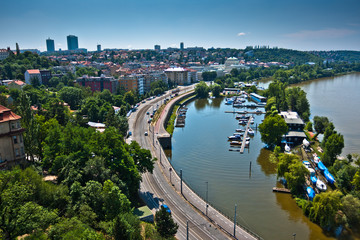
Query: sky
{"x": 141, "y": 24}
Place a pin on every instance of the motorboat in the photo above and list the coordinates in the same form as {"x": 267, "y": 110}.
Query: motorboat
{"x": 321, "y": 185}
{"x": 329, "y": 177}
{"x": 321, "y": 166}
{"x": 235, "y": 137}
{"x": 313, "y": 179}
{"x": 251, "y": 132}
{"x": 310, "y": 193}
{"x": 236, "y": 143}
{"x": 240, "y": 130}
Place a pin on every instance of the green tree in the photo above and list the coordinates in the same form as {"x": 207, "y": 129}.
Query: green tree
{"x": 333, "y": 147}
{"x": 126, "y": 226}
{"x": 71, "y": 95}
{"x": 209, "y": 76}
{"x": 35, "y": 82}
{"x": 272, "y": 129}
{"x": 142, "y": 158}
{"x": 129, "y": 97}
{"x": 320, "y": 124}
{"x": 325, "y": 208}
{"x": 165, "y": 225}
{"x": 351, "y": 209}
{"x": 202, "y": 90}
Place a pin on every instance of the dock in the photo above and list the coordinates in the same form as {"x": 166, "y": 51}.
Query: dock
{"x": 245, "y": 136}
{"x": 281, "y": 190}
{"x": 246, "y": 112}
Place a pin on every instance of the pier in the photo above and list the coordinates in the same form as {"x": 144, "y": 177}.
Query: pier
{"x": 245, "y": 136}
{"x": 246, "y": 112}
{"x": 281, "y": 190}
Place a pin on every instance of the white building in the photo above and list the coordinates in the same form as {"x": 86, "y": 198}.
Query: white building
{"x": 32, "y": 73}
{"x": 178, "y": 76}
{"x": 4, "y": 53}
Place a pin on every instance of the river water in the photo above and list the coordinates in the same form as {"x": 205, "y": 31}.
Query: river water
{"x": 201, "y": 150}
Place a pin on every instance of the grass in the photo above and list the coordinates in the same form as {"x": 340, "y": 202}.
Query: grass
{"x": 171, "y": 123}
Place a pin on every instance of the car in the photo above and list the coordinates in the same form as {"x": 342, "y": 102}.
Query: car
{"x": 146, "y": 133}
{"x": 150, "y": 119}
{"x": 151, "y": 115}
{"x": 129, "y": 134}
{"x": 143, "y": 101}
{"x": 147, "y": 113}
{"x": 166, "y": 208}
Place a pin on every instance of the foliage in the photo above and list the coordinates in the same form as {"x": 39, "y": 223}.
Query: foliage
{"x": 272, "y": 129}
{"x": 351, "y": 209}
{"x": 71, "y": 95}
{"x": 215, "y": 89}
{"x": 165, "y": 225}
{"x": 202, "y": 90}
{"x": 325, "y": 208}
{"x": 320, "y": 124}
{"x": 209, "y": 76}
{"x": 333, "y": 147}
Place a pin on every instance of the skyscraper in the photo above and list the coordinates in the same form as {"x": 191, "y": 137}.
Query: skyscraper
{"x": 98, "y": 48}
{"x": 157, "y": 47}
{"x": 50, "y": 45}
{"x": 181, "y": 46}
{"x": 72, "y": 42}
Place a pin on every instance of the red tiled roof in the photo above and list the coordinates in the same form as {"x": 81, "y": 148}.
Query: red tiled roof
{"x": 18, "y": 82}
{"x": 7, "y": 115}
{"x": 33, "y": 71}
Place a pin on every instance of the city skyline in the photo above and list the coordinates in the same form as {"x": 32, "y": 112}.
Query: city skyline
{"x": 305, "y": 25}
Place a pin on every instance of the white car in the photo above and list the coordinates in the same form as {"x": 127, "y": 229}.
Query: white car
{"x": 146, "y": 133}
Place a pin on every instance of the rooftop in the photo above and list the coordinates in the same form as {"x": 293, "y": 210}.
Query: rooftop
{"x": 33, "y": 71}
{"x": 7, "y": 115}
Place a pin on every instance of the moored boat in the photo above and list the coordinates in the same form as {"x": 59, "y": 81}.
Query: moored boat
{"x": 236, "y": 143}
{"x": 313, "y": 179}
{"x": 329, "y": 177}
{"x": 310, "y": 193}
{"x": 321, "y": 166}
{"x": 320, "y": 185}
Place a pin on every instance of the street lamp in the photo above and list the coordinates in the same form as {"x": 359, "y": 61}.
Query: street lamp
{"x": 170, "y": 170}
{"x": 207, "y": 190}
{"x": 294, "y": 235}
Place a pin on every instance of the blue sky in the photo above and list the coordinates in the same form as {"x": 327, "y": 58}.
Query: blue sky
{"x": 139, "y": 24}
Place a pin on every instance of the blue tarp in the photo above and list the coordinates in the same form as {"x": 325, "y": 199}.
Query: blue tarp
{"x": 313, "y": 179}
{"x": 310, "y": 192}
{"x": 321, "y": 166}
{"x": 329, "y": 177}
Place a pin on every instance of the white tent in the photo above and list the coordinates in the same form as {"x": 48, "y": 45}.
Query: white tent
{"x": 287, "y": 148}
{"x": 306, "y": 143}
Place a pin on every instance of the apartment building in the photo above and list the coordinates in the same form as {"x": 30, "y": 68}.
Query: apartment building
{"x": 12, "y": 150}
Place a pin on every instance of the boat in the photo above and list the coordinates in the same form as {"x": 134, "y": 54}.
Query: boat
{"x": 313, "y": 179}
{"x": 235, "y": 137}
{"x": 321, "y": 166}
{"x": 238, "y": 133}
{"x": 320, "y": 185}
{"x": 229, "y": 101}
{"x": 329, "y": 177}
{"x": 252, "y": 121}
{"x": 240, "y": 130}
{"x": 237, "y": 143}
{"x": 251, "y": 132}
{"x": 310, "y": 193}
{"x": 242, "y": 122}
{"x": 316, "y": 159}
{"x": 242, "y": 117}
{"x": 247, "y": 143}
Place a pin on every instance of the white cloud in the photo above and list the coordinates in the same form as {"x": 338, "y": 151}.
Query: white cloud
{"x": 241, "y": 34}
{"x": 322, "y": 33}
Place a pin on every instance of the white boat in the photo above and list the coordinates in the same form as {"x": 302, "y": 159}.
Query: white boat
{"x": 235, "y": 143}
{"x": 240, "y": 130}
{"x": 251, "y": 132}
{"x": 321, "y": 185}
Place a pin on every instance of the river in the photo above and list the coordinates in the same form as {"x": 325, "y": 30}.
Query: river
{"x": 335, "y": 98}
{"x": 201, "y": 150}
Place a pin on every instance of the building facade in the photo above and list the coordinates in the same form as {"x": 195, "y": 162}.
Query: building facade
{"x": 4, "y": 53}
{"x": 72, "y": 42}
{"x": 45, "y": 76}
{"x": 98, "y": 83}
{"x": 12, "y": 150}
{"x": 50, "y": 45}
{"x": 295, "y": 135}
{"x": 32, "y": 73}
{"x": 178, "y": 76}
{"x": 129, "y": 83}
{"x": 98, "y": 47}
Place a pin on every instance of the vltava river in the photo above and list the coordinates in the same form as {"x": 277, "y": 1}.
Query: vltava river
{"x": 201, "y": 150}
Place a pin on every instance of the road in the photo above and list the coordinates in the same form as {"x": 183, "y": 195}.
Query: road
{"x": 162, "y": 188}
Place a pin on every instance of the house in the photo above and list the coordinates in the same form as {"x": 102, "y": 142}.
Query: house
{"x": 296, "y": 125}
{"x": 98, "y": 83}
{"x": 11, "y": 139}
{"x": 32, "y": 73}
{"x": 17, "y": 84}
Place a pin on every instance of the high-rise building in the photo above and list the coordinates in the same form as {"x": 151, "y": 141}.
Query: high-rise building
{"x": 72, "y": 42}
{"x": 157, "y": 47}
{"x": 181, "y": 46}
{"x": 50, "y": 45}
{"x": 98, "y": 48}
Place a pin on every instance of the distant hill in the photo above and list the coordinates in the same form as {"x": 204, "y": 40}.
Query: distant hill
{"x": 339, "y": 56}
{"x": 281, "y": 55}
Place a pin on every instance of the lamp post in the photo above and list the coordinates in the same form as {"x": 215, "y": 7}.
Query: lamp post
{"x": 294, "y": 235}
{"x": 170, "y": 170}
{"x": 207, "y": 190}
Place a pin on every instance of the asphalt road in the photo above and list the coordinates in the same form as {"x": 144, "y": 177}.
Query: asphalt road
{"x": 156, "y": 189}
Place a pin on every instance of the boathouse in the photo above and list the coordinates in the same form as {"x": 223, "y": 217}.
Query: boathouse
{"x": 257, "y": 98}
{"x": 296, "y": 125}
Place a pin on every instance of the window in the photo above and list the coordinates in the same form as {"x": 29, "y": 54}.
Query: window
{"x": 15, "y": 139}
{"x": 21, "y": 138}
{"x": 17, "y": 152}
{"x": 12, "y": 125}
{"x": 18, "y": 124}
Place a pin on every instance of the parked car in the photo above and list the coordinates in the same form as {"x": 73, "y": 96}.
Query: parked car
{"x": 146, "y": 133}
